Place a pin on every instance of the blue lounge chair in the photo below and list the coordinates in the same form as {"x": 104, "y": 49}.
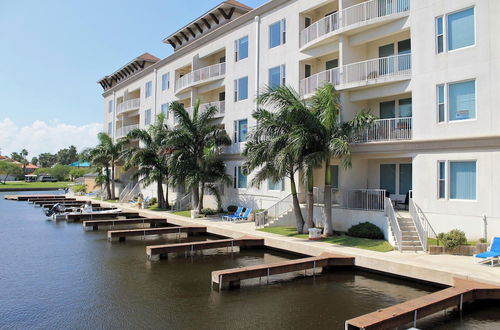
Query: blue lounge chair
{"x": 236, "y": 214}
{"x": 491, "y": 255}
{"x": 244, "y": 216}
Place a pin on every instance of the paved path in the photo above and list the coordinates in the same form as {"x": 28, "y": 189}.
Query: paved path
{"x": 432, "y": 268}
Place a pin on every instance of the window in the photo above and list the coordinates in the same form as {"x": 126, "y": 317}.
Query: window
{"x": 277, "y": 76}
{"x": 440, "y": 103}
{"x": 149, "y": 88}
{"x": 307, "y": 70}
{"x": 165, "y": 81}
{"x": 110, "y": 106}
{"x": 110, "y": 128}
{"x": 275, "y": 185}
{"x": 388, "y": 177}
{"x": 277, "y": 33}
{"x": 441, "y": 179}
{"x": 307, "y": 22}
{"x": 405, "y": 178}
{"x": 459, "y": 99}
{"x": 405, "y": 108}
{"x": 240, "y": 179}
{"x": 241, "y": 89}
{"x": 147, "y": 117}
{"x": 439, "y": 35}
{"x": 459, "y": 33}
{"x": 463, "y": 180}
{"x": 331, "y": 64}
{"x": 164, "y": 109}
{"x": 240, "y": 130}
{"x": 335, "y": 176}
{"x": 241, "y": 49}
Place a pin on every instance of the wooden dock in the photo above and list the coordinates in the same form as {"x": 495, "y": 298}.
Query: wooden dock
{"x": 48, "y": 205}
{"x": 25, "y": 197}
{"x": 156, "y": 252}
{"x": 233, "y": 276}
{"x": 411, "y": 311}
{"x": 95, "y": 224}
{"x": 122, "y": 234}
{"x": 55, "y": 201}
{"x": 92, "y": 216}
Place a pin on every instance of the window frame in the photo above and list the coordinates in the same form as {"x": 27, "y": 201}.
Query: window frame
{"x": 147, "y": 117}
{"x": 282, "y": 33}
{"x": 166, "y": 109}
{"x": 440, "y": 35}
{"x": 439, "y": 179}
{"x": 447, "y": 179}
{"x": 110, "y": 128}
{"x": 148, "y": 89}
{"x": 281, "y": 183}
{"x": 237, "y": 50}
{"x": 165, "y": 81}
{"x": 236, "y": 133}
{"x": 110, "y": 106}
{"x": 446, "y": 102}
{"x": 282, "y": 78}
{"x": 236, "y": 182}
{"x": 237, "y": 89}
{"x": 445, "y": 32}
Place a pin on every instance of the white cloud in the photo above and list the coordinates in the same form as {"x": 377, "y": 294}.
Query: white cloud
{"x": 42, "y": 137}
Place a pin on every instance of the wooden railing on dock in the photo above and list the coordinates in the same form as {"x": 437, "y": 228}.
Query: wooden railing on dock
{"x": 122, "y": 234}
{"x": 95, "y": 224}
{"x": 155, "y": 252}
{"x": 410, "y": 311}
{"x": 235, "y": 275}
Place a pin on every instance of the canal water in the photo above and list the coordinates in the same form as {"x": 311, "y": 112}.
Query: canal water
{"x": 55, "y": 275}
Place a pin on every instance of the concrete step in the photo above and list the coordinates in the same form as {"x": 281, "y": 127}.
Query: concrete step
{"x": 412, "y": 248}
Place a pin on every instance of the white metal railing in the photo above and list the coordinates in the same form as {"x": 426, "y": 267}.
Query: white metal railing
{"x": 368, "y": 10}
{"x": 359, "y": 72}
{"x": 318, "y": 80}
{"x": 200, "y": 75}
{"x": 122, "y": 131}
{"x": 220, "y": 105}
{"x": 359, "y": 13}
{"x": 382, "y": 67}
{"x": 363, "y": 199}
{"x": 393, "y": 222}
{"x": 387, "y": 130}
{"x": 183, "y": 203}
{"x": 128, "y": 105}
{"x": 424, "y": 228}
{"x": 278, "y": 209}
{"x": 318, "y": 29}
{"x": 128, "y": 195}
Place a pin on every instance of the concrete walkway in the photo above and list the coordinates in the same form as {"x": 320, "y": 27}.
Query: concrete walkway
{"x": 439, "y": 269}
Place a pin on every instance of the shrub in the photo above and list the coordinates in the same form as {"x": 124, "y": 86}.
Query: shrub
{"x": 208, "y": 211}
{"x": 153, "y": 201}
{"x": 79, "y": 188}
{"x": 366, "y": 230}
{"x": 482, "y": 240}
{"x": 452, "y": 239}
{"x": 232, "y": 208}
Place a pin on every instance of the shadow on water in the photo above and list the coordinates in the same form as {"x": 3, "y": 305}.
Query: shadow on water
{"x": 56, "y": 275}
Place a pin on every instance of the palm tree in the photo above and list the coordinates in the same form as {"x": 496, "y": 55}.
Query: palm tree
{"x": 325, "y": 105}
{"x": 196, "y": 143}
{"x": 283, "y": 142}
{"x": 151, "y": 157}
{"x": 105, "y": 155}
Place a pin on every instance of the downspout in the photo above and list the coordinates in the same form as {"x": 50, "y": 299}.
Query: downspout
{"x": 154, "y": 91}
{"x": 113, "y": 113}
{"x": 257, "y": 57}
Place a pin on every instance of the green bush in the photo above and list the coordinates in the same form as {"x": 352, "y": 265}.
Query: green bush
{"x": 153, "y": 201}
{"x": 208, "y": 211}
{"x": 452, "y": 239}
{"x": 366, "y": 230}
{"x": 232, "y": 208}
{"x": 60, "y": 172}
{"x": 79, "y": 188}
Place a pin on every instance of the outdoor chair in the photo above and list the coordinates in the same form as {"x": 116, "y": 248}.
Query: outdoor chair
{"x": 491, "y": 255}
{"x": 404, "y": 205}
{"x": 244, "y": 216}
{"x": 236, "y": 214}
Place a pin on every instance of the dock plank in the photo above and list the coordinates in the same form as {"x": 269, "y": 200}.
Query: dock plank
{"x": 95, "y": 224}
{"x": 93, "y": 216}
{"x": 122, "y": 234}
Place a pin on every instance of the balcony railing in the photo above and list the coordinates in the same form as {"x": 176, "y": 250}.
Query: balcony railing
{"x": 128, "y": 105}
{"x": 359, "y": 13}
{"x": 387, "y": 130}
{"x": 361, "y": 72}
{"x": 318, "y": 29}
{"x": 122, "y": 131}
{"x": 200, "y": 75}
{"x": 356, "y": 199}
{"x": 220, "y": 105}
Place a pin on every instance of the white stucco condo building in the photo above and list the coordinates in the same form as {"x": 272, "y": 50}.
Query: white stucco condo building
{"x": 429, "y": 69}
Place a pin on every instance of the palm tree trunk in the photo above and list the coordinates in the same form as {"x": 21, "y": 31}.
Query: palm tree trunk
{"x": 161, "y": 200}
{"x": 310, "y": 200}
{"x": 112, "y": 179}
{"x": 195, "y": 199}
{"x": 202, "y": 195}
{"x": 328, "y": 199}
{"x": 167, "y": 205}
{"x": 108, "y": 188}
{"x": 296, "y": 206}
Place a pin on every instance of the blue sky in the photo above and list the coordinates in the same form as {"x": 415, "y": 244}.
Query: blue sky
{"x": 53, "y": 52}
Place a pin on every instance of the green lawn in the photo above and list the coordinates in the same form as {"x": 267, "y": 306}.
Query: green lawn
{"x": 22, "y": 184}
{"x": 155, "y": 207}
{"x": 344, "y": 240}
{"x": 187, "y": 214}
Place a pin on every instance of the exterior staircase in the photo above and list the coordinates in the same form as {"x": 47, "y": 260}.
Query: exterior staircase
{"x": 410, "y": 239}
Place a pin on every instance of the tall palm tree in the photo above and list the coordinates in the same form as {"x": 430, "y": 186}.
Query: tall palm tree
{"x": 105, "y": 156}
{"x": 283, "y": 142}
{"x": 151, "y": 157}
{"x": 325, "y": 105}
{"x": 196, "y": 143}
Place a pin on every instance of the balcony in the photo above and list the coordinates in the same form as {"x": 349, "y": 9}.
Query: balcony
{"x": 200, "y": 76}
{"x": 124, "y": 130}
{"x": 220, "y": 105}
{"x": 374, "y": 71}
{"x": 391, "y": 129}
{"x": 361, "y": 14}
{"x": 128, "y": 105}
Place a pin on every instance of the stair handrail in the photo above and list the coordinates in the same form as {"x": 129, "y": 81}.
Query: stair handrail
{"x": 393, "y": 223}
{"x": 422, "y": 224}
{"x": 275, "y": 211}
{"x": 128, "y": 196}
{"x": 181, "y": 202}
{"x": 125, "y": 191}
